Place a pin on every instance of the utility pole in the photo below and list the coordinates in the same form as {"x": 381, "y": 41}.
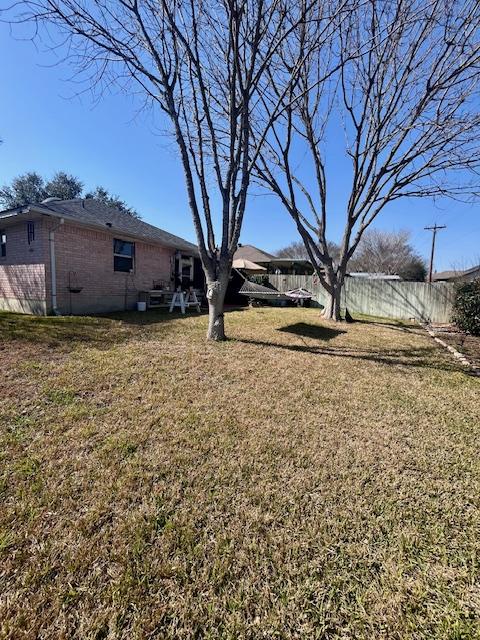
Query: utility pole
{"x": 435, "y": 228}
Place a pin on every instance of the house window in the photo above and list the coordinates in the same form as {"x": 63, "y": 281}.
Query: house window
{"x": 30, "y": 232}
{"x": 3, "y": 244}
{"x": 123, "y": 255}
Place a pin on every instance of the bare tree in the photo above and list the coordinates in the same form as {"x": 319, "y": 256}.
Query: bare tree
{"x": 205, "y": 64}
{"x": 297, "y": 249}
{"x": 388, "y": 252}
{"x": 406, "y": 93}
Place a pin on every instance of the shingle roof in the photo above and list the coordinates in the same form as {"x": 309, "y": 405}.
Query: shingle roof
{"x": 249, "y": 252}
{"x": 446, "y": 275}
{"x": 454, "y": 275}
{"x": 95, "y": 213}
{"x": 471, "y": 270}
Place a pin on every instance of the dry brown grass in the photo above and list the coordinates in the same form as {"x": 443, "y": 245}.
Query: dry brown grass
{"x": 294, "y": 482}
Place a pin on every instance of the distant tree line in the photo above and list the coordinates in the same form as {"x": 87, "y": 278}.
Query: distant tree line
{"x": 378, "y": 252}
{"x": 31, "y": 188}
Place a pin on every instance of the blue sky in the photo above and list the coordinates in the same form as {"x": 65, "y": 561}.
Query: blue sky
{"x": 46, "y": 128}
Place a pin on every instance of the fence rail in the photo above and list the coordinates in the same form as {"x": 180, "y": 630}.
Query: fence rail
{"x": 383, "y": 298}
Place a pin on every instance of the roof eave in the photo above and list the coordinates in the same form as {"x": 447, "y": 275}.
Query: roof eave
{"x": 12, "y": 213}
{"x": 471, "y": 270}
{"x": 36, "y": 208}
{"x": 112, "y": 229}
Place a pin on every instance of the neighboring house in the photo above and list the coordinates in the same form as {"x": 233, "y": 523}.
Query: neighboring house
{"x": 81, "y": 256}
{"x": 273, "y": 264}
{"x": 295, "y": 266}
{"x": 249, "y": 252}
{"x": 457, "y": 276}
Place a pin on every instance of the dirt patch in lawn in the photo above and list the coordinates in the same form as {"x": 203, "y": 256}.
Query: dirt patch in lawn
{"x": 466, "y": 344}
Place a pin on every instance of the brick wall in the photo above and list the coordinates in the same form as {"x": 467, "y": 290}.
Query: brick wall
{"x": 84, "y": 258}
{"x": 22, "y": 270}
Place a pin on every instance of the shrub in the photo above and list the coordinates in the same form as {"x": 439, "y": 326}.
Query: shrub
{"x": 466, "y": 308}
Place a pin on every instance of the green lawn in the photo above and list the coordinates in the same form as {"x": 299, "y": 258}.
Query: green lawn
{"x": 301, "y": 480}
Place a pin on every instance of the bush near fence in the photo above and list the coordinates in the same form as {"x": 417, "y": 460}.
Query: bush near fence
{"x": 466, "y": 308}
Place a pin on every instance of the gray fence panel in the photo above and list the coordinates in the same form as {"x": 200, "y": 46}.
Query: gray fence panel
{"x": 383, "y": 298}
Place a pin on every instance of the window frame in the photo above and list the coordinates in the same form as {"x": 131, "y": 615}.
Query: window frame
{"x": 3, "y": 243}
{"x": 124, "y": 256}
{"x": 30, "y": 231}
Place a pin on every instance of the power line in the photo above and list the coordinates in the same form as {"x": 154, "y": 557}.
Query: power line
{"x": 435, "y": 228}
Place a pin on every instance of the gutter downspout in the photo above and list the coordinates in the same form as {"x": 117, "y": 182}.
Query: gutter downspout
{"x": 53, "y": 268}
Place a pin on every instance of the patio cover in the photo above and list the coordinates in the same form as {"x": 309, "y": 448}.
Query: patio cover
{"x": 248, "y": 265}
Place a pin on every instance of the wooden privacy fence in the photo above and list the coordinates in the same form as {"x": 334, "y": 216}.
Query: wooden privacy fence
{"x": 383, "y": 298}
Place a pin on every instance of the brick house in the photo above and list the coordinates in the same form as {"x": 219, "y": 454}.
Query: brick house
{"x": 81, "y": 256}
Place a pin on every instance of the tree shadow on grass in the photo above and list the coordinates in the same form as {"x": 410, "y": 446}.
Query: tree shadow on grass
{"x": 318, "y": 332}
{"x": 413, "y": 357}
{"x": 394, "y": 325}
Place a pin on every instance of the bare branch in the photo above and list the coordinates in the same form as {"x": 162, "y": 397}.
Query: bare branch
{"x": 408, "y": 105}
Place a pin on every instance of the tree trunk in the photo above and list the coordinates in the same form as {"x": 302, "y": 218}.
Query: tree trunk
{"x": 216, "y": 296}
{"x": 332, "y": 308}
